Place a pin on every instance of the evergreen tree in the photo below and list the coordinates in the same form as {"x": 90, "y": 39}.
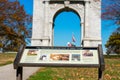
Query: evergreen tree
{"x": 113, "y": 44}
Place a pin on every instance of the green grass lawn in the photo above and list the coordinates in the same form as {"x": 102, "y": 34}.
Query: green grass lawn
{"x": 6, "y": 58}
{"x": 112, "y": 72}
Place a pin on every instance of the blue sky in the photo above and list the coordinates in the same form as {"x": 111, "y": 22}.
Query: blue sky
{"x": 68, "y": 26}
{"x": 67, "y": 23}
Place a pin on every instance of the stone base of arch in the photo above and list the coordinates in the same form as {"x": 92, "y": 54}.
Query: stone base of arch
{"x": 88, "y": 42}
{"x": 44, "y": 41}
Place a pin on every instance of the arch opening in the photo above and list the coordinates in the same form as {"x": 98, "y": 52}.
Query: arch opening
{"x": 66, "y": 27}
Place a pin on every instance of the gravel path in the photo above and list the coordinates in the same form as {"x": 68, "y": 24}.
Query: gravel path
{"x": 8, "y": 73}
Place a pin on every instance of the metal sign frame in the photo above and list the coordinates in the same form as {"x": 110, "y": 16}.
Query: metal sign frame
{"x": 19, "y": 66}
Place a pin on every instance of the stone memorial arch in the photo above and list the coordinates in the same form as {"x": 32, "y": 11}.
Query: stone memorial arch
{"x": 45, "y": 11}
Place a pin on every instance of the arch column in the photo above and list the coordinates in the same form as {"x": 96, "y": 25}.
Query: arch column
{"x": 91, "y": 26}
{"x": 86, "y": 19}
{"x": 86, "y": 25}
{"x": 46, "y": 38}
{"x": 51, "y": 33}
{"x": 37, "y": 27}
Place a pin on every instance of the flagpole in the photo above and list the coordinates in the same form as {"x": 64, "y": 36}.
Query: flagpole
{"x": 73, "y": 39}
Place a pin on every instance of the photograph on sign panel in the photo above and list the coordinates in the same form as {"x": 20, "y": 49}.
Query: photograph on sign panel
{"x": 59, "y": 57}
{"x": 75, "y": 57}
{"x": 32, "y": 52}
{"x": 43, "y": 57}
{"x": 87, "y": 53}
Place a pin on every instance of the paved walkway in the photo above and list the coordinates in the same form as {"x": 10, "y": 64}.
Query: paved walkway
{"x": 8, "y": 73}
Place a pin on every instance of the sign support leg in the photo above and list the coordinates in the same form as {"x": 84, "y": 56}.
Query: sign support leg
{"x": 100, "y": 74}
{"x": 19, "y": 73}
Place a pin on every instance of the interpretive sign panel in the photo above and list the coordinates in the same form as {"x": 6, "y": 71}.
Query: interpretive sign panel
{"x": 40, "y": 56}
{"x": 58, "y": 56}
